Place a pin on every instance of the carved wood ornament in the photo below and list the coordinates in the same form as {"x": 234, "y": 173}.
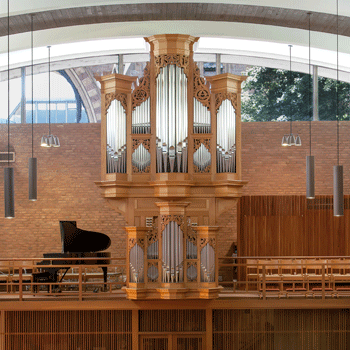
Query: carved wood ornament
{"x": 162, "y": 61}
{"x": 133, "y": 241}
{"x": 165, "y": 219}
{"x": 205, "y": 241}
{"x": 201, "y": 91}
{"x": 142, "y": 91}
{"x": 115, "y": 96}
{"x": 196, "y": 144}
{"x": 220, "y": 97}
{"x": 137, "y": 142}
{"x": 191, "y": 235}
{"x": 202, "y": 141}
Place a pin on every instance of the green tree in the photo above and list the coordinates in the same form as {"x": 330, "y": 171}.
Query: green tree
{"x": 275, "y": 94}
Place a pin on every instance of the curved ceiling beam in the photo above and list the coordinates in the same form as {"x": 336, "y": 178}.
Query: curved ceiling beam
{"x": 216, "y": 12}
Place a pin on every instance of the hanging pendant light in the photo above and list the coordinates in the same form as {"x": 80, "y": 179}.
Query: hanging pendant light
{"x": 310, "y": 161}
{"x": 32, "y": 165}
{"x": 9, "y": 191}
{"x": 49, "y": 140}
{"x": 338, "y": 195}
{"x": 291, "y": 139}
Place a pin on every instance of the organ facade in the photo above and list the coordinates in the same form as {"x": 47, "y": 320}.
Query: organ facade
{"x": 171, "y": 164}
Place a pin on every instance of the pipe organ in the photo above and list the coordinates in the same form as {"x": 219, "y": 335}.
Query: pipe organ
{"x": 170, "y": 163}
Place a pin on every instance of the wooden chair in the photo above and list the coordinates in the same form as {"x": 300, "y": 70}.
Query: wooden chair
{"x": 314, "y": 272}
{"x": 292, "y": 272}
{"x": 252, "y": 272}
{"x": 272, "y": 273}
{"x": 340, "y": 274}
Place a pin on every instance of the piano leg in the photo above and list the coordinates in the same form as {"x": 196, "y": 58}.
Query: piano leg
{"x": 104, "y": 269}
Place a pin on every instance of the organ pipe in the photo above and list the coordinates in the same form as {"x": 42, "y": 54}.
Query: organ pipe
{"x": 201, "y": 118}
{"x": 116, "y": 138}
{"x": 141, "y": 118}
{"x": 172, "y": 253}
{"x": 171, "y": 120}
{"x": 226, "y": 138}
{"x": 207, "y": 264}
{"x": 141, "y": 158}
{"x": 136, "y": 267}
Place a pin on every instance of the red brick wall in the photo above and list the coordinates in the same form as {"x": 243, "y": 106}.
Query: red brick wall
{"x": 275, "y": 170}
{"x": 66, "y": 176}
{"x": 66, "y": 191}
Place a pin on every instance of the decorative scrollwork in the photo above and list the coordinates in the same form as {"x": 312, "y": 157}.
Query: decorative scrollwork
{"x": 196, "y": 145}
{"x": 205, "y": 241}
{"x": 181, "y": 61}
{"x": 200, "y": 90}
{"x": 199, "y": 170}
{"x": 222, "y": 96}
{"x": 202, "y": 141}
{"x": 139, "y": 241}
{"x": 142, "y": 91}
{"x": 136, "y": 142}
{"x": 191, "y": 235}
{"x": 132, "y": 242}
{"x": 165, "y": 219}
{"x": 145, "y": 170}
{"x": 115, "y": 96}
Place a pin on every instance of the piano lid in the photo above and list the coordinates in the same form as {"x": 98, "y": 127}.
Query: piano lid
{"x": 75, "y": 239}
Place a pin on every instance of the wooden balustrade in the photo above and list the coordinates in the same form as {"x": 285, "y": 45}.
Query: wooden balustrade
{"x": 262, "y": 277}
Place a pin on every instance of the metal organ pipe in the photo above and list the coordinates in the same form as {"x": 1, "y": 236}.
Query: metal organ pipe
{"x": 226, "y": 138}
{"x": 208, "y": 264}
{"x": 172, "y": 253}
{"x": 136, "y": 264}
{"x": 201, "y": 118}
{"x": 116, "y": 138}
{"x": 171, "y": 120}
{"x": 141, "y": 120}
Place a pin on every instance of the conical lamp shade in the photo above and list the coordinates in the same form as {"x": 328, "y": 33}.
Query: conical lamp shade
{"x": 285, "y": 140}
{"x": 338, "y": 195}
{"x": 291, "y": 140}
{"x": 9, "y": 191}
{"x": 298, "y": 141}
{"x": 310, "y": 177}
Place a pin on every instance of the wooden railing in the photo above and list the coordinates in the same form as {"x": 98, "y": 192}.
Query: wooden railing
{"x": 19, "y": 278}
{"x": 286, "y": 276}
{"x": 263, "y": 277}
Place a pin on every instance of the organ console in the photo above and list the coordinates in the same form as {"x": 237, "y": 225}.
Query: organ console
{"x": 78, "y": 248}
{"x": 171, "y": 164}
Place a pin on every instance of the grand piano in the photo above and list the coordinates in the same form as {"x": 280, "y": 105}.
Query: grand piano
{"x": 77, "y": 246}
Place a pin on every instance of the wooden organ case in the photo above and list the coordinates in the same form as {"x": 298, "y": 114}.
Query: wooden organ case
{"x": 171, "y": 164}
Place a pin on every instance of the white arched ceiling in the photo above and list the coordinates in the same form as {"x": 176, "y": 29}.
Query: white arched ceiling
{"x": 285, "y": 33}
{"x": 23, "y": 7}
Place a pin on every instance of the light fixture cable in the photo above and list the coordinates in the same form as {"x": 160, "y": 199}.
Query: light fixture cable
{"x": 309, "y": 90}
{"x": 338, "y": 189}
{"x": 290, "y": 86}
{"x": 32, "y": 58}
{"x": 337, "y": 86}
{"x": 8, "y": 83}
{"x": 32, "y": 162}
{"x": 49, "y": 47}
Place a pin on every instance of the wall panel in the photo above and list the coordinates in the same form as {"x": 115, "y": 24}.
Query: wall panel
{"x": 292, "y": 226}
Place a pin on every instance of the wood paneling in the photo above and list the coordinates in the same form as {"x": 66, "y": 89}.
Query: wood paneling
{"x": 232, "y": 329}
{"x": 292, "y": 226}
{"x": 281, "y": 329}
{"x": 61, "y": 330}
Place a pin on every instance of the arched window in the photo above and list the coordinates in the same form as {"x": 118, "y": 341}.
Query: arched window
{"x": 66, "y": 105}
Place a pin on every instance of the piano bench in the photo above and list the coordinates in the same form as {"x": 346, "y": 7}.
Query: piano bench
{"x": 39, "y": 277}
